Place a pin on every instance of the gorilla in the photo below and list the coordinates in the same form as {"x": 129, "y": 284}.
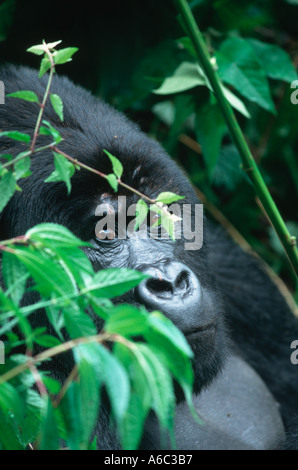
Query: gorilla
{"x": 233, "y": 316}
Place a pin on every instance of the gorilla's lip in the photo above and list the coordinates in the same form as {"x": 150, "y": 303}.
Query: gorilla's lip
{"x": 200, "y": 329}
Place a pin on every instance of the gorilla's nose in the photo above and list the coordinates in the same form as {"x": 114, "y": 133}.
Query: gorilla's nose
{"x": 174, "y": 290}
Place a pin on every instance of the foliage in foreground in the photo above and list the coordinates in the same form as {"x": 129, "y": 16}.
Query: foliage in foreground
{"x": 49, "y": 265}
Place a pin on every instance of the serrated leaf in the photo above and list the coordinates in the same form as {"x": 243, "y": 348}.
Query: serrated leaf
{"x": 175, "y": 351}
{"x": 64, "y": 171}
{"x": 160, "y": 384}
{"x": 37, "y": 50}
{"x": 117, "y": 165}
{"x": 49, "y": 276}
{"x": 50, "y": 130}
{"x": 64, "y": 55}
{"x": 22, "y": 168}
{"x": 15, "y": 276}
{"x": 113, "y": 282}
{"x": 127, "y": 320}
{"x": 77, "y": 322}
{"x": 112, "y": 180}
{"x": 168, "y": 197}
{"x": 24, "y": 95}
{"x": 59, "y": 235}
{"x": 7, "y": 188}
{"x": 89, "y": 393}
{"x": 47, "y": 341}
{"x": 131, "y": 428}
{"x": 16, "y": 135}
{"x": 141, "y": 213}
{"x": 57, "y": 105}
{"x": 52, "y": 385}
{"x": 116, "y": 383}
{"x": 49, "y": 439}
{"x": 45, "y": 65}
{"x": 40, "y": 49}
{"x": 158, "y": 323}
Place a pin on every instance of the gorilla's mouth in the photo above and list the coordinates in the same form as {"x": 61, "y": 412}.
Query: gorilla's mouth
{"x": 209, "y": 327}
{"x": 199, "y": 329}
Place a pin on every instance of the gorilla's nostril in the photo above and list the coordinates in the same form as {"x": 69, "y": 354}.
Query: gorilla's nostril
{"x": 182, "y": 281}
{"x": 157, "y": 286}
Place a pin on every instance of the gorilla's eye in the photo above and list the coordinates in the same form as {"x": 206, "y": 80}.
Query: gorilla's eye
{"x": 155, "y": 217}
{"x": 107, "y": 234}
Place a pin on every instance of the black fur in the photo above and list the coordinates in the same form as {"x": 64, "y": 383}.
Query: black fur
{"x": 236, "y": 291}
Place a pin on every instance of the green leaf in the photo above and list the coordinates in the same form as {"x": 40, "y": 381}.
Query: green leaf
{"x": 71, "y": 415}
{"x": 45, "y": 65}
{"x": 127, "y": 320}
{"x": 112, "y": 180}
{"x": 188, "y": 75}
{"x": 131, "y": 428}
{"x": 176, "y": 352}
{"x": 16, "y": 135}
{"x": 161, "y": 325}
{"x": 52, "y": 385}
{"x": 210, "y": 128}
{"x": 25, "y": 95}
{"x": 239, "y": 66}
{"x": 50, "y": 276}
{"x": 64, "y": 55}
{"x": 55, "y": 234}
{"x": 90, "y": 380}
{"x": 37, "y": 50}
{"x": 15, "y": 276}
{"x": 116, "y": 383}
{"x": 235, "y": 102}
{"x": 160, "y": 384}
{"x": 47, "y": 341}
{"x": 40, "y": 49}
{"x": 113, "y": 282}
{"x": 141, "y": 213}
{"x": 57, "y": 105}
{"x": 50, "y": 130}
{"x": 64, "y": 171}
{"x": 168, "y": 197}
{"x": 56, "y": 319}
{"x": 117, "y": 165}
{"x": 77, "y": 322}
{"x": 7, "y": 188}
{"x": 49, "y": 439}
{"x": 274, "y": 60}
{"x": 22, "y": 168}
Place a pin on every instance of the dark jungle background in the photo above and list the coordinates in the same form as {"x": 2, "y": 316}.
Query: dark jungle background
{"x": 127, "y": 49}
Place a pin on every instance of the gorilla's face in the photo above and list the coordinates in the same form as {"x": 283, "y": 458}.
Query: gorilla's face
{"x": 181, "y": 285}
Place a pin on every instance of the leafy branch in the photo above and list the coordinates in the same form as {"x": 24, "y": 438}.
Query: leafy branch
{"x": 65, "y": 165}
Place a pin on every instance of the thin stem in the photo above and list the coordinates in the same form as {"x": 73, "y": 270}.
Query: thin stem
{"x": 248, "y": 161}
{"x": 102, "y": 175}
{"x": 26, "y": 154}
{"x": 45, "y": 97}
{"x": 62, "y": 348}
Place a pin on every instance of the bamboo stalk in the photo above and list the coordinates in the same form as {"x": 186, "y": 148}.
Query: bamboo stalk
{"x": 249, "y": 164}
